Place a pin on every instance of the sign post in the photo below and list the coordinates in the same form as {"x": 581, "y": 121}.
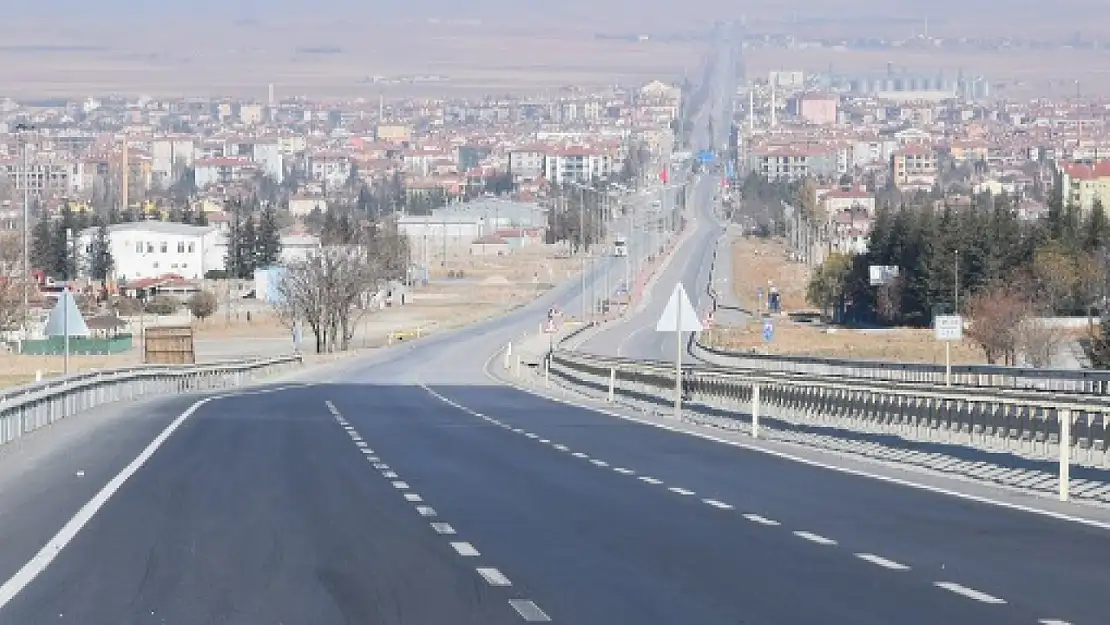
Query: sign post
{"x": 678, "y": 317}
{"x": 948, "y": 328}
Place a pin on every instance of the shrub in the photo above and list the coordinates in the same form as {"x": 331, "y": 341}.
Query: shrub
{"x": 163, "y": 305}
{"x": 202, "y": 304}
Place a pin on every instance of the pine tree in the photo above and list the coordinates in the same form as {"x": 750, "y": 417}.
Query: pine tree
{"x": 1096, "y": 229}
{"x": 269, "y": 238}
{"x": 62, "y": 261}
{"x": 43, "y": 244}
{"x": 248, "y": 249}
{"x": 100, "y": 259}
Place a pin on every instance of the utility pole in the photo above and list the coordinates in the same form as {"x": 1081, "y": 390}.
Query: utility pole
{"x": 26, "y": 313}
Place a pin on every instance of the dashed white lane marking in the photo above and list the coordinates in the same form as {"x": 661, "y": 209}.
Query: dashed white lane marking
{"x": 624, "y": 471}
{"x": 381, "y": 466}
{"x": 755, "y": 518}
{"x": 400, "y": 485}
{"x": 531, "y": 435}
{"x": 561, "y": 447}
{"x": 493, "y": 577}
{"x": 815, "y": 538}
{"x": 413, "y": 497}
{"x": 650, "y": 480}
{"x": 425, "y": 510}
{"x": 443, "y": 528}
{"x": 518, "y": 431}
{"x": 331, "y": 406}
{"x": 529, "y": 611}
{"x": 545, "y": 441}
{"x": 717, "y": 504}
{"x": 970, "y": 593}
{"x": 1052, "y": 621}
{"x": 883, "y": 562}
{"x": 579, "y": 454}
{"x": 374, "y": 459}
{"x": 680, "y": 491}
{"x": 389, "y": 475}
{"x": 600, "y": 463}
{"x": 360, "y": 444}
{"x": 466, "y": 550}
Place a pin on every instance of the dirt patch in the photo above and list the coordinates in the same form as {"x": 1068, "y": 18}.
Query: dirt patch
{"x": 761, "y": 263}
{"x": 16, "y": 370}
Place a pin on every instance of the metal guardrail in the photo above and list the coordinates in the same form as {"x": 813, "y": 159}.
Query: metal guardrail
{"x": 1087, "y": 381}
{"x": 1025, "y": 423}
{"x": 30, "y": 407}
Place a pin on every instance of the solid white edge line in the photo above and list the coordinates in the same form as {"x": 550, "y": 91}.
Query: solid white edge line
{"x": 38, "y": 563}
{"x": 465, "y": 549}
{"x": 939, "y": 490}
{"x": 883, "y": 562}
{"x": 493, "y": 577}
{"x": 970, "y": 593}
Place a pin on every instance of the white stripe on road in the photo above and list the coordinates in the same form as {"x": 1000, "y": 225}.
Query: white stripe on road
{"x": 624, "y": 471}
{"x": 970, "y": 593}
{"x": 443, "y": 528}
{"x": 465, "y": 549}
{"x": 400, "y": 485}
{"x": 680, "y": 491}
{"x": 381, "y": 466}
{"x": 426, "y": 510}
{"x": 650, "y": 480}
{"x": 717, "y": 504}
{"x": 531, "y": 435}
{"x": 755, "y": 518}
{"x": 1053, "y": 621}
{"x": 413, "y": 497}
{"x": 529, "y": 611}
{"x": 389, "y": 475}
{"x": 815, "y": 538}
{"x": 494, "y": 577}
{"x": 544, "y": 441}
{"x": 579, "y": 454}
{"x": 561, "y": 447}
{"x": 883, "y": 562}
{"x": 600, "y": 463}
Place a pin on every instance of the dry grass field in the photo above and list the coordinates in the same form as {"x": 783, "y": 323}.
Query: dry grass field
{"x": 755, "y": 262}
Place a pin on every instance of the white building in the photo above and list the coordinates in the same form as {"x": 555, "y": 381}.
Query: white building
{"x": 147, "y": 249}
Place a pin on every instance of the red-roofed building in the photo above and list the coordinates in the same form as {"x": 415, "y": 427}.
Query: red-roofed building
{"x": 1083, "y": 185}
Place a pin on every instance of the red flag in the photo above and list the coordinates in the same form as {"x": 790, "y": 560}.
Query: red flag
{"x": 663, "y": 175}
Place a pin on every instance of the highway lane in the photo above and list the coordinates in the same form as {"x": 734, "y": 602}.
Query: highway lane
{"x": 260, "y": 509}
{"x": 1042, "y": 567}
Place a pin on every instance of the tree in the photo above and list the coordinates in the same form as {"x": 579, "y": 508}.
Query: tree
{"x": 163, "y": 305}
{"x": 996, "y": 316}
{"x": 100, "y": 260}
{"x": 268, "y": 243}
{"x": 827, "y": 287}
{"x": 1039, "y": 341}
{"x": 202, "y": 305}
{"x": 12, "y": 281}
{"x": 43, "y": 253}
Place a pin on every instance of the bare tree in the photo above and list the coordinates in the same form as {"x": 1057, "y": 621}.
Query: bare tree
{"x": 331, "y": 289}
{"x": 997, "y": 314}
{"x": 11, "y": 282}
{"x": 1039, "y": 341}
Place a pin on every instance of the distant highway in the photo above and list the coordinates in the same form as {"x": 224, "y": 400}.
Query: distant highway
{"x": 410, "y": 488}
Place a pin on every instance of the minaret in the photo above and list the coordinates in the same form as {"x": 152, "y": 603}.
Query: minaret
{"x": 774, "y": 118}
{"x": 125, "y": 166}
{"x": 751, "y": 107}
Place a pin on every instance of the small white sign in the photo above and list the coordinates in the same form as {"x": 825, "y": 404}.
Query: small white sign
{"x": 882, "y": 274}
{"x": 949, "y": 327}
{"x": 679, "y": 315}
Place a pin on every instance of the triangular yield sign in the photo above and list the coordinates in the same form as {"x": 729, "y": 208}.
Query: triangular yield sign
{"x": 679, "y": 315}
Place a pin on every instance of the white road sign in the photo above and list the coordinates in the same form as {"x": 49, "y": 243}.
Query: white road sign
{"x": 949, "y": 327}
{"x": 679, "y": 315}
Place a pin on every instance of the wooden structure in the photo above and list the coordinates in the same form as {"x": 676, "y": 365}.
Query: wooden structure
{"x": 169, "y": 345}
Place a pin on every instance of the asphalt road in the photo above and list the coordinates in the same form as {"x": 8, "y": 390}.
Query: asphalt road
{"x": 408, "y": 488}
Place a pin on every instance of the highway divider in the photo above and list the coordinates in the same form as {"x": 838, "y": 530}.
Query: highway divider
{"x": 34, "y": 406}
{"x": 1025, "y": 425}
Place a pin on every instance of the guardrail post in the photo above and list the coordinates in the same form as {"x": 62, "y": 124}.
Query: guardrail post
{"x": 1064, "y": 414}
{"x": 518, "y": 366}
{"x": 612, "y": 383}
{"x": 755, "y": 410}
{"x": 547, "y": 371}
{"x": 508, "y": 355}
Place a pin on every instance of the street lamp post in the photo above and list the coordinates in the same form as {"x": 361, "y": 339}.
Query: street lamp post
{"x": 26, "y": 312}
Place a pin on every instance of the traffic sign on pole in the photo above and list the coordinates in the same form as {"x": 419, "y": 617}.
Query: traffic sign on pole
{"x": 768, "y": 330}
